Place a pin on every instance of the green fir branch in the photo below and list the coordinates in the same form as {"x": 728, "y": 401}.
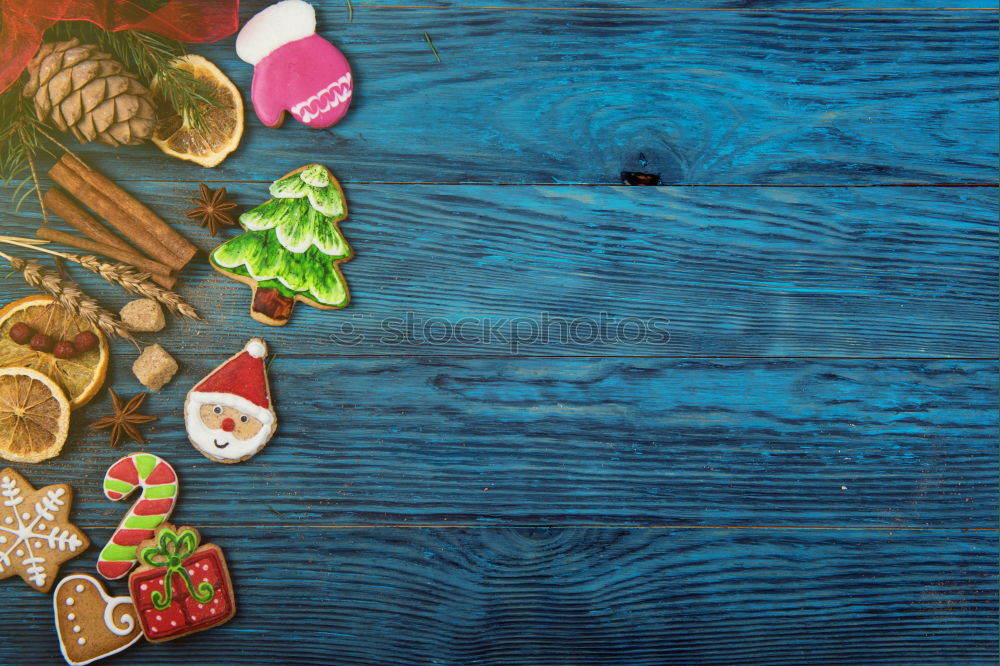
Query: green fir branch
{"x": 150, "y": 57}
{"x": 20, "y": 141}
{"x": 23, "y": 137}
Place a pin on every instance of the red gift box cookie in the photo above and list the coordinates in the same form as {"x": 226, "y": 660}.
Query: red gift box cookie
{"x": 180, "y": 588}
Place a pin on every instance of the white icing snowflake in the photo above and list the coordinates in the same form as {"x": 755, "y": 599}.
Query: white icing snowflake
{"x": 30, "y": 542}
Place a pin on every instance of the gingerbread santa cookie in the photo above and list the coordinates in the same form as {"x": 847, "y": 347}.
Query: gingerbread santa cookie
{"x": 90, "y": 623}
{"x": 228, "y": 415}
{"x": 294, "y": 68}
{"x": 35, "y": 533}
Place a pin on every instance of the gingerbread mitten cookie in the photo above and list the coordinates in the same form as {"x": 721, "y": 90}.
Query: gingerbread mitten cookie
{"x": 92, "y": 624}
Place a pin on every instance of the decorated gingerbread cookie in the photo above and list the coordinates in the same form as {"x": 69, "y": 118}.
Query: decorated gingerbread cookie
{"x": 35, "y": 533}
{"x": 228, "y": 415}
{"x": 292, "y": 249}
{"x": 294, "y": 68}
{"x": 90, "y": 623}
{"x": 180, "y": 588}
{"x": 158, "y": 482}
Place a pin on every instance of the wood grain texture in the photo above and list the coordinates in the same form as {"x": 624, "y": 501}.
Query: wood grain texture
{"x": 859, "y": 272}
{"x": 805, "y": 472}
{"x": 633, "y": 442}
{"x": 576, "y": 96}
{"x": 572, "y": 596}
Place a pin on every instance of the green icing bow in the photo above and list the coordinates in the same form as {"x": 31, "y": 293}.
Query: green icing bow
{"x": 173, "y": 550}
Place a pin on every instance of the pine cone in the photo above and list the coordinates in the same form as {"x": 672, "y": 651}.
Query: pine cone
{"x": 84, "y": 90}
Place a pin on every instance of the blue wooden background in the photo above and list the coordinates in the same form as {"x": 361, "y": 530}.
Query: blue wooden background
{"x": 800, "y": 467}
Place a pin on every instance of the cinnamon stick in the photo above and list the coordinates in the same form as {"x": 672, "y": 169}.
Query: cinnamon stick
{"x": 115, "y": 216}
{"x": 64, "y": 206}
{"x": 81, "y": 220}
{"x": 176, "y": 244}
{"x": 124, "y": 212}
{"x": 154, "y": 268}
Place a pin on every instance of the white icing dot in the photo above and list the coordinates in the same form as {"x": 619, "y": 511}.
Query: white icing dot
{"x": 79, "y": 588}
{"x": 191, "y": 571}
{"x": 159, "y": 618}
{"x": 76, "y": 629}
{"x": 204, "y": 567}
{"x": 201, "y": 605}
{"x": 3, "y": 539}
{"x": 212, "y": 611}
{"x": 41, "y": 526}
{"x": 26, "y": 516}
{"x": 19, "y": 552}
{"x": 69, "y": 601}
{"x": 38, "y": 544}
{"x": 8, "y": 520}
{"x": 204, "y": 580}
{"x": 81, "y": 641}
{"x": 71, "y": 617}
{"x": 143, "y": 586}
{"x": 173, "y": 624}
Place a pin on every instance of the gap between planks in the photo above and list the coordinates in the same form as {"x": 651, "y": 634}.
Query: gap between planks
{"x": 692, "y": 357}
{"x": 582, "y": 526}
{"x": 745, "y": 10}
{"x": 481, "y": 183}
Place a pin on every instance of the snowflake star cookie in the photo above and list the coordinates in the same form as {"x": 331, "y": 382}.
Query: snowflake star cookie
{"x": 35, "y": 533}
{"x": 229, "y": 416}
{"x": 294, "y": 69}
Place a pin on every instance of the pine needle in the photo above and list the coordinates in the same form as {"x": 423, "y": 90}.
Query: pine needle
{"x": 350, "y": 12}
{"x": 38, "y": 189}
{"x": 431, "y": 44}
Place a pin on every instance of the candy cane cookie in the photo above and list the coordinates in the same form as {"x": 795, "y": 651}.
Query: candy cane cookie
{"x": 158, "y": 481}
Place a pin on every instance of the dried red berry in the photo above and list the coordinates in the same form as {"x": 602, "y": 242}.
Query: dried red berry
{"x": 64, "y": 349}
{"x": 85, "y": 341}
{"x": 21, "y": 333}
{"x": 41, "y": 342}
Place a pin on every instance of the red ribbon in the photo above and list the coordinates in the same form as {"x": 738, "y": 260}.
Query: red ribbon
{"x": 23, "y": 22}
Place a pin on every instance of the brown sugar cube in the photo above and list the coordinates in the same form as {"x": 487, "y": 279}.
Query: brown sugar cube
{"x": 143, "y": 315}
{"x": 154, "y": 367}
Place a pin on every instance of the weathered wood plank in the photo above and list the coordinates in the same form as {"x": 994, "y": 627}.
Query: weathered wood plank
{"x": 579, "y": 442}
{"x": 334, "y": 8}
{"x": 576, "y": 96}
{"x": 860, "y": 272}
{"x": 571, "y": 596}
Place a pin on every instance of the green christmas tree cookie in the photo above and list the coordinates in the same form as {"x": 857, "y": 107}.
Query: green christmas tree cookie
{"x": 292, "y": 247}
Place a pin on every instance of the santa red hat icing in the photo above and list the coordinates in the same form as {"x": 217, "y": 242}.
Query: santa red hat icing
{"x": 240, "y": 383}
{"x": 295, "y": 69}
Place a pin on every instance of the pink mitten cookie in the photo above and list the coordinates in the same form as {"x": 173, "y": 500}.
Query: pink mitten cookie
{"x": 294, "y": 68}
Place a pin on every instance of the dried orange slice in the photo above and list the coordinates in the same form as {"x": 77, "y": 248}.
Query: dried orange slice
{"x": 34, "y": 416}
{"x": 222, "y": 127}
{"x": 79, "y": 377}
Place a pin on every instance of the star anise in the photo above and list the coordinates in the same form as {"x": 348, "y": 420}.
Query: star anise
{"x": 125, "y": 419}
{"x": 212, "y": 210}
